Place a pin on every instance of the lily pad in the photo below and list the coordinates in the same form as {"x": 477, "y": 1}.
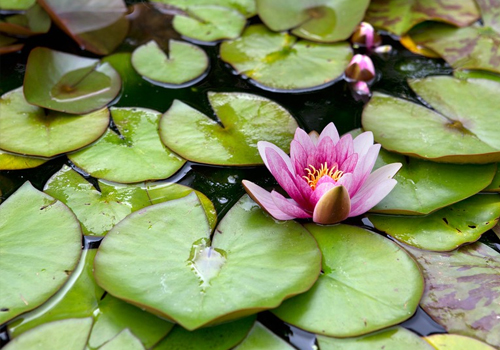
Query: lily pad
{"x": 323, "y": 20}
{"x": 398, "y": 17}
{"x": 396, "y": 338}
{"x": 185, "y": 63}
{"x": 281, "y": 62}
{"x": 210, "y": 23}
{"x": 16, "y": 5}
{"x": 69, "y": 83}
{"x": 134, "y": 155}
{"x": 96, "y": 26}
{"x": 245, "y": 7}
{"x": 261, "y": 338}
{"x": 368, "y": 283}
{"x": 10, "y": 161}
{"x": 33, "y": 267}
{"x": 460, "y": 129}
{"x": 28, "y": 129}
{"x": 495, "y": 184}
{"x": 424, "y": 187}
{"x": 447, "y": 228}
{"x": 123, "y": 341}
{"x": 456, "y": 342}
{"x": 244, "y": 120}
{"x": 99, "y": 210}
{"x": 34, "y": 21}
{"x": 221, "y": 337}
{"x": 252, "y": 265}
{"x": 66, "y": 334}
{"x": 462, "y": 290}
{"x": 9, "y": 45}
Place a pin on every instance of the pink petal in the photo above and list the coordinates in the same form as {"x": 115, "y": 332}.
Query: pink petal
{"x": 364, "y": 167}
{"x": 330, "y": 131}
{"x": 298, "y": 156}
{"x": 344, "y": 148}
{"x": 264, "y": 145}
{"x": 314, "y": 136}
{"x": 305, "y": 140}
{"x": 347, "y": 181}
{"x": 362, "y": 143}
{"x": 325, "y": 153}
{"x": 324, "y": 185}
{"x": 289, "y": 206}
{"x": 349, "y": 164}
{"x": 264, "y": 199}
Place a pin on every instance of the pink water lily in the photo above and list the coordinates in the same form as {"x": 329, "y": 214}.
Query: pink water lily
{"x": 328, "y": 178}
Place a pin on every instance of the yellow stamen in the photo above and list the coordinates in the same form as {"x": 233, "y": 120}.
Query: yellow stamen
{"x": 313, "y": 174}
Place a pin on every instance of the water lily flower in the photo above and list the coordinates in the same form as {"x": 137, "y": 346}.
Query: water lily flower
{"x": 328, "y": 178}
{"x": 360, "y": 69}
{"x": 365, "y": 35}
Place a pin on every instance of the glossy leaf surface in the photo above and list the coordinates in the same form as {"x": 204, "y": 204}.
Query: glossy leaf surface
{"x": 9, "y": 161}
{"x": 262, "y": 338}
{"x": 16, "y": 5}
{"x": 123, "y": 341}
{"x": 246, "y": 7}
{"x": 456, "y": 342}
{"x": 495, "y": 184}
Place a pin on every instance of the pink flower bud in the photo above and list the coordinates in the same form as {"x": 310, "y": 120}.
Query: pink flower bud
{"x": 360, "y": 69}
{"x": 365, "y": 36}
{"x": 361, "y": 88}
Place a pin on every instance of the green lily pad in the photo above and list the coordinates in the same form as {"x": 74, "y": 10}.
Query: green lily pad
{"x": 447, "y": 228}
{"x": 245, "y": 7}
{"x": 28, "y": 129}
{"x": 34, "y": 21}
{"x": 123, "y": 341}
{"x": 461, "y": 129}
{"x": 398, "y": 17}
{"x": 210, "y": 23}
{"x": 16, "y": 5}
{"x": 495, "y": 184}
{"x": 261, "y": 338}
{"x": 69, "y": 83}
{"x": 185, "y": 63}
{"x": 462, "y": 290}
{"x": 9, "y": 45}
{"x": 323, "y": 20}
{"x": 221, "y": 337}
{"x": 66, "y": 334}
{"x": 135, "y": 155}
{"x": 252, "y": 265}
{"x": 368, "y": 283}
{"x": 99, "y": 211}
{"x": 33, "y": 267}
{"x": 456, "y": 342}
{"x": 244, "y": 120}
{"x": 10, "y": 161}
{"x": 424, "y": 187}
{"x": 395, "y": 338}
{"x": 96, "y": 26}
{"x": 281, "y": 62}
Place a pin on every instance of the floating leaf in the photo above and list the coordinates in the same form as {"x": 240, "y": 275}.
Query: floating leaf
{"x": 97, "y": 26}
{"x": 134, "y": 155}
{"x": 66, "y": 334}
{"x": 252, "y": 265}
{"x": 34, "y": 21}
{"x": 221, "y": 337}
{"x": 460, "y": 129}
{"x": 447, "y": 228}
{"x": 424, "y": 186}
{"x": 246, "y": 7}
{"x": 396, "y": 338}
{"x": 244, "y": 120}
{"x": 456, "y": 342}
{"x": 279, "y": 61}
{"x": 323, "y": 20}
{"x": 184, "y": 64}
{"x": 368, "y": 283}
{"x": 16, "y": 5}
{"x": 261, "y": 338}
{"x": 495, "y": 184}
{"x": 69, "y": 83}
{"x": 462, "y": 290}
{"x": 123, "y": 341}
{"x": 398, "y": 17}
{"x": 33, "y": 267}
{"x": 9, "y": 45}
{"x": 99, "y": 211}
{"x": 28, "y": 129}
{"x": 10, "y": 161}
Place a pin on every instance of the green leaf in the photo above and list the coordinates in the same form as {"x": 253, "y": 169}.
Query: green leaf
{"x": 462, "y": 290}
{"x": 184, "y": 64}
{"x": 244, "y": 120}
{"x": 34, "y": 21}
{"x": 424, "y": 187}
{"x": 395, "y": 338}
{"x": 495, "y": 184}
{"x": 10, "y": 161}
{"x": 123, "y": 341}
{"x": 32, "y": 267}
{"x": 460, "y": 129}
{"x": 261, "y": 338}
{"x": 456, "y": 342}
{"x": 398, "y": 17}
{"x": 16, "y": 5}
{"x": 28, "y": 129}
{"x": 368, "y": 283}
{"x": 323, "y": 20}
{"x": 174, "y": 270}
{"x": 447, "y": 228}
{"x": 69, "y": 83}
{"x": 245, "y": 7}
{"x": 135, "y": 155}
{"x": 280, "y": 62}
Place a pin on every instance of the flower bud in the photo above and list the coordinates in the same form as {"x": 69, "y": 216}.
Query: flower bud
{"x": 365, "y": 36}
{"x": 360, "y": 69}
{"x": 361, "y": 88}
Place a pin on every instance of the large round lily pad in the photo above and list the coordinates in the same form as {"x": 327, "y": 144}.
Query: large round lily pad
{"x": 9, "y": 161}
{"x": 245, "y": 7}
{"x": 447, "y": 228}
{"x": 323, "y": 20}
{"x": 261, "y": 338}
{"x": 99, "y": 210}
{"x": 424, "y": 187}
{"x": 126, "y": 340}
{"x": 28, "y": 129}
{"x": 281, "y": 62}
{"x": 462, "y": 290}
{"x": 368, "y": 283}
{"x": 184, "y": 64}
{"x": 456, "y": 342}
{"x": 244, "y": 120}
{"x": 134, "y": 155}
{"x": 69, "y": 83}
{"x": 173, "y": 269}
{"x": 462, "y": 128}
{"x": 32, "y": 267}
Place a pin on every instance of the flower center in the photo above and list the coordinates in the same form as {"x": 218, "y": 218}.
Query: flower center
{"x": 313, "y": 174}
